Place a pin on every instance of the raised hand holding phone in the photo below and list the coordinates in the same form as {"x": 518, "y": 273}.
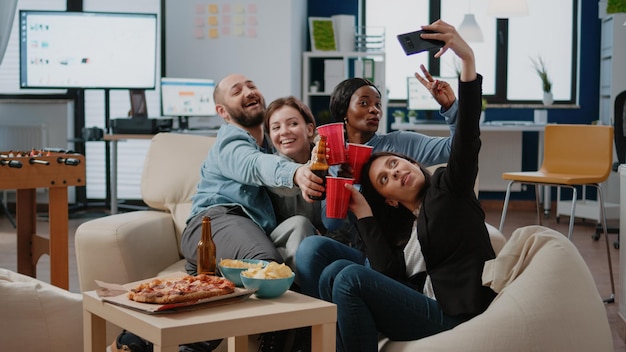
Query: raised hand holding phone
{"x": 413, "y": 43}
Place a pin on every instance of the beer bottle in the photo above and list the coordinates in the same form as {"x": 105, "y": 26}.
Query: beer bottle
{"x": 319, "y": 165}
{"x": 207, "y": 260}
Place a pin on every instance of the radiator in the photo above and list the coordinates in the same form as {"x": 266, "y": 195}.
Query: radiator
{"x": 23, "y": 137}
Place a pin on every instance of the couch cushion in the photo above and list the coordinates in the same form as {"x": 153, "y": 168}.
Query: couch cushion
{"x": 180, "y": 213}
{"x": 36, "y": 316}
{"x": 178, "y": 267}
{"x": 172, "y": 169}
{"x": 547, "y": 301}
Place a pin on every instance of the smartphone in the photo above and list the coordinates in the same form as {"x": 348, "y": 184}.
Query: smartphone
{"x": 412, "y": 43}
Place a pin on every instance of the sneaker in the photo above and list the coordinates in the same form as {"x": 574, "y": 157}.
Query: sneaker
{"x": 129, "y": 342}
{"x": 273, "y": 341}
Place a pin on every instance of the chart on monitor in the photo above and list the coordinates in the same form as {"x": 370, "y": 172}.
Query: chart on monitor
{"x": 186, "y": 98}
{"x": 419, "y": 98}
{"x": 100, "y": 50}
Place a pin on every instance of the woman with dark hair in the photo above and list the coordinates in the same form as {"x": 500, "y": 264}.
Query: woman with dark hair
{"x": 425, "y": 236}
{"x": 357, "y": 103}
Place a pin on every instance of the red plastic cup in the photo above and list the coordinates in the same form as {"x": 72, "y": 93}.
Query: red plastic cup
{"x": 358, "y": 154}
{"x": 335, "y": 142}
{"x": 337, "y": 197}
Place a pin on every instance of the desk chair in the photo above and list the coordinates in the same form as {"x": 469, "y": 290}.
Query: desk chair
{"x": 574, "y": 155}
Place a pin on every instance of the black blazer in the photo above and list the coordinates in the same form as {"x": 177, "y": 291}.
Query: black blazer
{"x": 451, "y": 223}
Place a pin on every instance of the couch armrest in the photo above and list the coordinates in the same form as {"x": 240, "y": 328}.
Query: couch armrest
{"x": 123, "y": 248}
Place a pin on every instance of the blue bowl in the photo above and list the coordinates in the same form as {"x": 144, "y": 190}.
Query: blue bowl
{"x": 268, "y": 288}
{"x": 232, "y": 273}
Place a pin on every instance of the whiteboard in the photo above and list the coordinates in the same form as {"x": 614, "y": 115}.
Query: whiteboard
{"x": 262, "y": 39}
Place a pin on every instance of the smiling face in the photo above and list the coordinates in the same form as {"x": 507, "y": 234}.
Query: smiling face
{"x": 365, "y": 111}
{"x": 238, "y": 100}
{"x": 290, "y": 133}
{"x": 397, "y": 180}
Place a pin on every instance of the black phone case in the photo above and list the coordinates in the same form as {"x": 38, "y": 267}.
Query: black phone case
{"x": 412, "y": 43}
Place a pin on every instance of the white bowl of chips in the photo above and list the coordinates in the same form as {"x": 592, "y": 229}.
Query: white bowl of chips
{"x": 270, "y": 281}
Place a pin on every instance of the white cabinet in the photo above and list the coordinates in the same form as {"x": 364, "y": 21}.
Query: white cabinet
{"x": 612, "y": 64}
{"x": 323, "y": 70}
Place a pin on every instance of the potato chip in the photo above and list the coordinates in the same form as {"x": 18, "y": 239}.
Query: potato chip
{"x": 234, "y": 263}
{"x": 272, "y": 270}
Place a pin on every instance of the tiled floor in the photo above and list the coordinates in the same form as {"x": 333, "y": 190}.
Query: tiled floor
{"x": 594, "y": 252}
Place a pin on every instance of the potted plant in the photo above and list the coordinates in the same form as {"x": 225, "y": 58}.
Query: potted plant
{"x": 540, "y": 67}
{"x": 616, "y": 6}
{"x": 412, "y": 116}
{"x": 398, "y": 116}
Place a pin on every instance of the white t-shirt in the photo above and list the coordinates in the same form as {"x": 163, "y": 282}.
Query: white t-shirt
{"x": 414, "y": 259}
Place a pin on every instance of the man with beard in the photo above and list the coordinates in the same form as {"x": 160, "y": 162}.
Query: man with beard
{"x": 233, "y": 192}
{"x": 234, "y": 178}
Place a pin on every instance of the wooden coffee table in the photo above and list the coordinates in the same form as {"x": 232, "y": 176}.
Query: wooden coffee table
{"x": 233, "y": 321}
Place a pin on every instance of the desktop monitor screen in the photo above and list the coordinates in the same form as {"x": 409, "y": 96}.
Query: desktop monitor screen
{"x": 419, "y": 98}
{"x": 185, "y": 97}
{"x": 87, "y": 50}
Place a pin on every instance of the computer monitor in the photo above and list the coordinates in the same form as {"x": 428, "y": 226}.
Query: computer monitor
{"x": 60, "y": 49}
{"x": 187, "y": 97}
{"x": 419, "y": 98}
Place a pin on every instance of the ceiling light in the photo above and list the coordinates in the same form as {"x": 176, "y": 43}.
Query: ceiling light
{"x": 469, "y": 29}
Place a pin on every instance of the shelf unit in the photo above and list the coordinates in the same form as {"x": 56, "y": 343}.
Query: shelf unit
{"x": 612, "y": 63}
{"x": 352, "y": 64}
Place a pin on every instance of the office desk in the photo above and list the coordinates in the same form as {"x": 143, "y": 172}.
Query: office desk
{"x": 113, "y": 139}
{"x": 501, "y": 151}
{"x": 56, "y": 172}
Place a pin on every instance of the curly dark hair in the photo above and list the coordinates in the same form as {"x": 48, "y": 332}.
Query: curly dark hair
{"x": 340, "y": 98}
{"x": 398, "y": 221}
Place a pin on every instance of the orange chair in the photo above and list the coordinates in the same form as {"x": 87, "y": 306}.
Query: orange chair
{"x": 574, "y": 155}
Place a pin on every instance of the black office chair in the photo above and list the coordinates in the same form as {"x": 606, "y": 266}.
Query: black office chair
{"x": 619, "y": 129}
{"x": 619, "y": 132}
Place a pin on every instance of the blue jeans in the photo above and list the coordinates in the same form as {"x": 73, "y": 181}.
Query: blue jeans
{"x": 314, "y": 254}
{"x": 369, "y": 303}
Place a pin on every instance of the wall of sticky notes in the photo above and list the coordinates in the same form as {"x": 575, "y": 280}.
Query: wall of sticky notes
{"x": 263, "y": 39}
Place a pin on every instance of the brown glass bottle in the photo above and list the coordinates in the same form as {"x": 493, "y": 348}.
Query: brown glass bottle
{"x": 207, "y": 258}
{"x": 319, "y": 165}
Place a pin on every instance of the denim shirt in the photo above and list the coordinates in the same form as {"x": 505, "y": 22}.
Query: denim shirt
{"x": 234, "y": 173}
{"x": 424, "y": 149}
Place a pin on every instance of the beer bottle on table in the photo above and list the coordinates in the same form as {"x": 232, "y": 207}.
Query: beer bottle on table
{"x": 319, "y": 165}
{"x": 207, "y": 260}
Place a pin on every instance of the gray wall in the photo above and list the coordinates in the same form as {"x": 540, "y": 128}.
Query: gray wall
{"x": 265, "y": 42}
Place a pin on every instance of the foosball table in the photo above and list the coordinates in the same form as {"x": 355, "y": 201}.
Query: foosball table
{"x": 26, "y": 171}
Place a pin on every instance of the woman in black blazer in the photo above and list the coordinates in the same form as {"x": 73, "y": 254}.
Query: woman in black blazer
{"x": 425, "y": 235}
